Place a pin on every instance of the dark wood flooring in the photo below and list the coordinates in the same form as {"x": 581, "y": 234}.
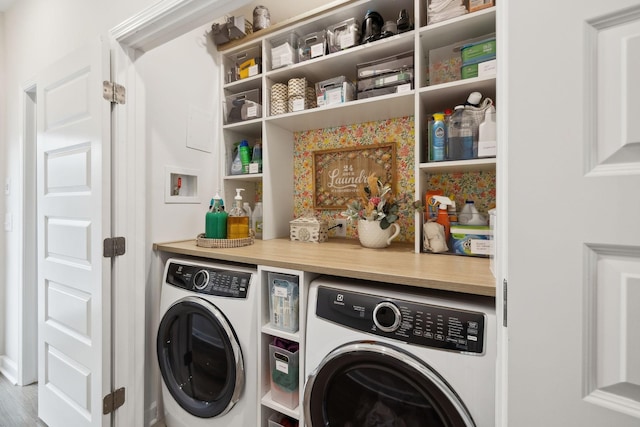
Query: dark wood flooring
{"x": 18, "y": 405}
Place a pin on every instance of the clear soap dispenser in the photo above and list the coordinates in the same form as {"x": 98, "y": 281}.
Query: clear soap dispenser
{"x": 237, "y": 221}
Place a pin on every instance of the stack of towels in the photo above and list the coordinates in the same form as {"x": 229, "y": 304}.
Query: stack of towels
{"x": 441, "y": 10}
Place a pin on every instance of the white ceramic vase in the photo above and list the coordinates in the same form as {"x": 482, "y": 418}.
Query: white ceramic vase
{"x": 372, "y": 236}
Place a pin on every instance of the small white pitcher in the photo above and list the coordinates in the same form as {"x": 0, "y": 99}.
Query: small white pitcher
{"x": 372, "y": 236}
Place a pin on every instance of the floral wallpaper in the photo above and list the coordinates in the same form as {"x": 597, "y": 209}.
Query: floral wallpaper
{"x": 477, "y": 186}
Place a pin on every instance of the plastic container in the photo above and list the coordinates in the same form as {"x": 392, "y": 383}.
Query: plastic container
{"x": 461, "y": 135}
{"x": 439, "y": 137}
{"x": 284, "y": 50}
{"x": 216, "y": 220}
{"x": 343, "y": 35}
{"x": 244, "y": 64}
{"x": 237, "y": 221}
{"x": 391, "y": 64}
{"x": 471, "y": 240}
{"x": 285, "y": 368}
{"x": 281, "y": 420}
{"x": 312, "y": 45}
{"x": 487, "y": 141}
{"x": 283, "y": 301}
{"x": 256, "y": 159}
{"x": 245, "y": 155}
{"x": 243, "y": 106}
{"x": 256, "y": 220}
{"x": 387, "y": 80}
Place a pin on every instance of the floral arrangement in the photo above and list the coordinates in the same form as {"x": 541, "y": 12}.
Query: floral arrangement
{"x": 376, "y": 203}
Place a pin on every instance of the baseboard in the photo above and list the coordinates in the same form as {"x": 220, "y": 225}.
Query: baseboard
{"x": 9, "y": 369}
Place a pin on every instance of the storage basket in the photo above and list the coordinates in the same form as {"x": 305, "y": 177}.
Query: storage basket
{"x": 224, "y": 243}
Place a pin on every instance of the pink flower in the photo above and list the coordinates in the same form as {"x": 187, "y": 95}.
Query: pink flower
{"x": 375, "y": 200}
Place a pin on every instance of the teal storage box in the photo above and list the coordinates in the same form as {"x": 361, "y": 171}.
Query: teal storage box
{"x": 471, "y": 240}
{"x": 483, "y": 69}
{"x": 474, "y": 53}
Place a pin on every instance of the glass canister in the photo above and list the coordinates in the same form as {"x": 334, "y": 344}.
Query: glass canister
{"x": 261, "y": 18}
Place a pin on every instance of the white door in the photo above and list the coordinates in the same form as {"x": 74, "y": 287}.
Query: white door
{"x": 73, "y": 191}
{"x": 569, "y": 91}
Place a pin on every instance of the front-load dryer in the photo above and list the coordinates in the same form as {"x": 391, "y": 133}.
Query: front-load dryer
{"x": 206, "y": 344}
{"x": 386, "y": 355}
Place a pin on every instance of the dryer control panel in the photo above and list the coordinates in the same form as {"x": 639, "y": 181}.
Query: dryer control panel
{"x": 209, "y": 280}
{"x": 420, "y": 324}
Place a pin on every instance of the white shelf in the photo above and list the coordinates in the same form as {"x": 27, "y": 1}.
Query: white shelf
{"x": 454, "y": 30}
{"x": 268, "y": 402}
{"x": 359, "y": 111}
{"x": 291, "y": 336}
{"x": 487, "y": 164}
{"x": 251, "y": 127}
{"x": 242, "y": 85}
{"x": 446, "y": 95}
{"x": 255, "y": 177}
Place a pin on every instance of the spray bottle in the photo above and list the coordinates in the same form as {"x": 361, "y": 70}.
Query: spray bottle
{"x": 443, "y": 214}
{"x": 238, "y": 221}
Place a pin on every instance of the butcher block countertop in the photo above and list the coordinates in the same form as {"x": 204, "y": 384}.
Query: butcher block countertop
{"x": 346, "y": 258}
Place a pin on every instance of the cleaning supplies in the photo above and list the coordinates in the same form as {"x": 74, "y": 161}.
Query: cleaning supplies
{"x": 236, "y": 164}
{"x": 237, "y": 221}
{"x": 256, "y": 157}
{"x": 245, "y": 156}
{"x": 487, "y": 146}
{"x": 216, "y": 220}
{"x": 247, "y": 208}
{"x": 460, "y": 135}
{"x": 469, "y": 215}
{"x": 438, "y": 136}
{"x": 256, "y": 220}
{"x": 443, "y": 215}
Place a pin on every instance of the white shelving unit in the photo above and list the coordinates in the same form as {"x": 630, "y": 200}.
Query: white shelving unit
{"x": 277, "y": 132}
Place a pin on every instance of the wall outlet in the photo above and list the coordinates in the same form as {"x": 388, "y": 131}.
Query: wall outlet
{"x": 341, "y": 229}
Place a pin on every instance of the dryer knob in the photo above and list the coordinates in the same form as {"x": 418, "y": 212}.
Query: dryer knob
{"x": 387, "y": 316}
{"x": 201, "y": 279}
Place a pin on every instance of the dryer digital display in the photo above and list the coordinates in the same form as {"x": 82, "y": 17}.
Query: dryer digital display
{"x": 209, "y": 280}
{"x": 421, "y": 324}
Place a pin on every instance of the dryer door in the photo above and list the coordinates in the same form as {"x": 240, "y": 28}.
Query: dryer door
{"x": 200, "y": 358}
{"x": 374, "y": 384}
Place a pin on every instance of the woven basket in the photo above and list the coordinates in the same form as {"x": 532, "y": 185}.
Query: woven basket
{"x": 224, "y": 243}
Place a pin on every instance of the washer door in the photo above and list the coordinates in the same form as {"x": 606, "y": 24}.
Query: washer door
{"x": 200, "y": 358}
{"x": 373, "y": 384}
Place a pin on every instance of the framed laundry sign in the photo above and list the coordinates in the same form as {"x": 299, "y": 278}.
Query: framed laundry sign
{"x": 338, "y": 173}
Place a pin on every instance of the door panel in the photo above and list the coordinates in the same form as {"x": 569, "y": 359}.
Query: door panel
{"x": 569, "y": 177}
{"x": 73, "y": 198}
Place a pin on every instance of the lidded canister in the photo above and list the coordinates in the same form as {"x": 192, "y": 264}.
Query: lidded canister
{"x": 261, "y": 18}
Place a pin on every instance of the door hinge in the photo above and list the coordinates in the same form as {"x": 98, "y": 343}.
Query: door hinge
{"x": 113, "y": 246}
{"x": 504, "y": 303}
{"x": 113, "y": 92}
{"x": 113, "y": 401}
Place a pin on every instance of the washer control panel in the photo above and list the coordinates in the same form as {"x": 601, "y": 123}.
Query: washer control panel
{"x": 209, "y": 280}
{"x": 420, "y": 324}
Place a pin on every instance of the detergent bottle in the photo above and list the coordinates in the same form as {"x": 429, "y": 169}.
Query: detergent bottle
{"x": 443, "y": 214}
{"x": 216, "y": 220}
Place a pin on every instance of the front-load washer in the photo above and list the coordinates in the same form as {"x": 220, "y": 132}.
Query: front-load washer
{"x": 388, "y": 355}
{"x": 206, "y": 344}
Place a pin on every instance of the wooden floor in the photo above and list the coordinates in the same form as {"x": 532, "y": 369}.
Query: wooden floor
{"x": 18, "y": 405}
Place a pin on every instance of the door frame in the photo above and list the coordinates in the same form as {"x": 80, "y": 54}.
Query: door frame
{"x": 152, "y": 27}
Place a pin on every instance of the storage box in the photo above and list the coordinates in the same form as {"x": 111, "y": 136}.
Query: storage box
{"x": 478, "y": 51}
{"x": 334, "y": 91}
{"x": 444, "y": 64}
{"x": 284, "y": 50}
{"x": 283, "y": 301}
{"x": 386, "y": 80}
{"x": 281, "y": 420}
{"x": 475, "y": 5}
{"x": 343, "y": 35}
{"x": 388, "y": 65}
{"x": 244, "y": 64}
{"x": 285, "y": 369}
{"x": 473, "y": 240}
{"x": 308, "y": 230}
{"x": 312, "y": 45}
{"x": 483, "y": 69}
{"x": 243, "y": 106}
{"x": 384, "y": 91}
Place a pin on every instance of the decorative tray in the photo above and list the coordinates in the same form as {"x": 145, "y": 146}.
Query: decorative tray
{"x": 224, "y": 243}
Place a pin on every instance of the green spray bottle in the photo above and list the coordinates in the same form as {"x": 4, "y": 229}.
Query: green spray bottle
{"x": 216, "y": 220}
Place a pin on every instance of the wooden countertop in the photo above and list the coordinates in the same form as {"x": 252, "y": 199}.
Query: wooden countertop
{"x": 346, "y": 258}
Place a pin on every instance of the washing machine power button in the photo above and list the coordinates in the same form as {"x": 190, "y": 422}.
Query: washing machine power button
{"x": 201, "y": 279}
{"x": 387, "y": 316}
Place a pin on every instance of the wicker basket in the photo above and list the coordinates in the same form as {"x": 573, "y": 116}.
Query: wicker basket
{"x": 224, "y": 243}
